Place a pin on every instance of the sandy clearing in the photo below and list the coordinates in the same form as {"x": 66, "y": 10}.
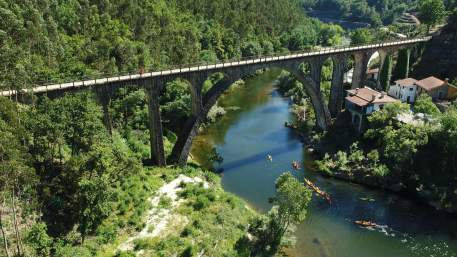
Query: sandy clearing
{"x": 158, "y": 219}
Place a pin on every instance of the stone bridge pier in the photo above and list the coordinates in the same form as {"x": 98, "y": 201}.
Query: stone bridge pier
{"x": 340, "y": 64}
{"x": 155, "y": 123}
{"x": 202, "y": 103}
{"x": 183, "y": 145}
{"x": 155, "y": 81}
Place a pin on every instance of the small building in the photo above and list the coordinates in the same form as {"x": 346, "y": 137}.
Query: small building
{"x": 434, "y": 87}
{"x": 404, "y": 90}
{"x": 361, "y": 102}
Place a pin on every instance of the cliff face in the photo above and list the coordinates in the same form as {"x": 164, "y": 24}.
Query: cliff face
{"x": 440, "y": 56}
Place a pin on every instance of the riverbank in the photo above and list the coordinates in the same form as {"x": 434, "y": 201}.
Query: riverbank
{"x": 188, "y": 215}
{"x": 369, "y": 165}
{"x": 426, "y": 196}
{"x": 244, "y": 138}
{"x": 359, "y": 176}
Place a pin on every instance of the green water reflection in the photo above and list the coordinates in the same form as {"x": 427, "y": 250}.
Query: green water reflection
{"x": 244, "y": 137}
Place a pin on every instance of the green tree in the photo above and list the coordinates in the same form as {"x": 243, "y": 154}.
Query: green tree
{"x": 401, "y": 70}
{"x": 300, "y": 38}
{"x": 448, "y": 137}
{"x": 96, "y": 198}
{"x": 251, "y": 48}
{"x": 361, "y": 36}
{"x": 424, "y": 104}
{"x": 289, "y": 209}
{"x": 331, "y": 35}
{"x": 386, "y": 73}
{"x": 431, "y": 12}
{"x": 17, "y": 177}
{"x": 397, "y": 141}
{"x": 39, "y": 240}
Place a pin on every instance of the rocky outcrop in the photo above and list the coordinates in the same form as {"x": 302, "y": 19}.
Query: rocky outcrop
{"x": 440, "y": 56}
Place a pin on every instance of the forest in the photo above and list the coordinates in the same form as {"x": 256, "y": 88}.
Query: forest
{"x": 68, "y": 187}
{"x": 374, "y": 12}
{"x": 41, "y": 41}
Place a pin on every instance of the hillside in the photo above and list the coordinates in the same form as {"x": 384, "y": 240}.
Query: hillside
{"x": 69, "y": 187}
{"x": 440, "y": 55}
{"x": 43, "y": 40}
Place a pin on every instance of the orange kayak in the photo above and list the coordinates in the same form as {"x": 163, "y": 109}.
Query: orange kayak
{"x": 318, "y": 191}
{"x": 365, "y": 223}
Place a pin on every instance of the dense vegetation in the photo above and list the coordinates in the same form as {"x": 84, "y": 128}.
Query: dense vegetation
{"x": 65, "y": 195}
{"x": 68, "y": 187}
{"x": 419, "y": 158}
{"x": 374, "y": 12}
{"x": 42, "y": 40}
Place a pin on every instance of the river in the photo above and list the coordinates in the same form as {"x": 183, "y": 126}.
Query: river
{"x": 244, "y": 138}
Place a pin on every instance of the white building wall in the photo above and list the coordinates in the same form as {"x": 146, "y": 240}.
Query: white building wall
{"x": 394, "y": 91}
{"x": 403, "y": 92}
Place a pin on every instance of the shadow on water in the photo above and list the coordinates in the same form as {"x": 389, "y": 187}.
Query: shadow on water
{"x": 244, "y": 139}
{"x": 257, "y": 157}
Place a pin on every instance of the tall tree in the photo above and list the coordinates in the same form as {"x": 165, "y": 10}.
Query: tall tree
{"x": 289, "y": 209}
{"x": 361, "y": 36}
{"x": 401, "y": 70}
{"x": 431, "y": 12}
{"x": 386, "y": 73}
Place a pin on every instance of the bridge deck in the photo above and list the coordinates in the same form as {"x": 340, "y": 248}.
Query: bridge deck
{"x": 207, "y": 67}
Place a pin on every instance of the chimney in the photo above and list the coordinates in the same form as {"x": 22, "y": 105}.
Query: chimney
{"x": 381, "y": 96}
{"x": 446, "y": 81}
{"x": 373, "y": 97}
{"x": 356, "y": 91}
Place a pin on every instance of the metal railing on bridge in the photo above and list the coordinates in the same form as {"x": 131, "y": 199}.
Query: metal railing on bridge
{"x": 102, "y": 79}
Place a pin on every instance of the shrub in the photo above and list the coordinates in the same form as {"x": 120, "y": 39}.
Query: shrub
{"x": 107, "y": 233}
{"x": 39, "y": 239}
{"x": 231, "y": 201}
{"x": 214, "y": 113}
{"x": 188, "y": 252}
{"x": 125, "y": 254}
{"x": 165, "y": 202}
{"x": 380, "y": 170}
{"x": 201, "y": 202}
{"x": 142, "y": 244}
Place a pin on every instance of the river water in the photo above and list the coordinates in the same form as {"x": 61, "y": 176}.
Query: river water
{"x": 245, "y": 137}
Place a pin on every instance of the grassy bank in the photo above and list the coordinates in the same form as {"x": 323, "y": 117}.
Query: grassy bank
{"x": 203, "y": 219}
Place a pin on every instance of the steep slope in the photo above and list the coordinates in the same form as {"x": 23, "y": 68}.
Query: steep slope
{"x": 440, "y": 55}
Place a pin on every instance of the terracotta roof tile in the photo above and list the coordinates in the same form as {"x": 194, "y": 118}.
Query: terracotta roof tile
{"x": 364, "y": 96}
{"x": 430, "y": 83}
{"x": 406, "y": 82}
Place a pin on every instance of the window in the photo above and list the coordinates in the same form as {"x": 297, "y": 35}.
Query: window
{"x": 411, "y": 89}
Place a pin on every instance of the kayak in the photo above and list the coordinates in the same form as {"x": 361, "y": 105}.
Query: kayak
{"x": 365, "y": 223}
{"x": 318, "y": 191}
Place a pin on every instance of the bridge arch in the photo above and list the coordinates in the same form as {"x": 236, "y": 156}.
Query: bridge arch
{"x": 153, "y": 82}
{"x": 183, "y": 145}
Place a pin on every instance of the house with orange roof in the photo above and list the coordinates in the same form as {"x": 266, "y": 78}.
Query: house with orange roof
{"x": 434, "y": 87}
{"x": 361, "y": 102}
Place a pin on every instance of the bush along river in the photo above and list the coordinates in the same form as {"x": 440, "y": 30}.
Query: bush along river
{"x": 246, "y": 135}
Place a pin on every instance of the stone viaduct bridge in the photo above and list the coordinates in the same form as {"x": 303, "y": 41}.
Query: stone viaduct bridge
{"x": 154, "y": 82}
